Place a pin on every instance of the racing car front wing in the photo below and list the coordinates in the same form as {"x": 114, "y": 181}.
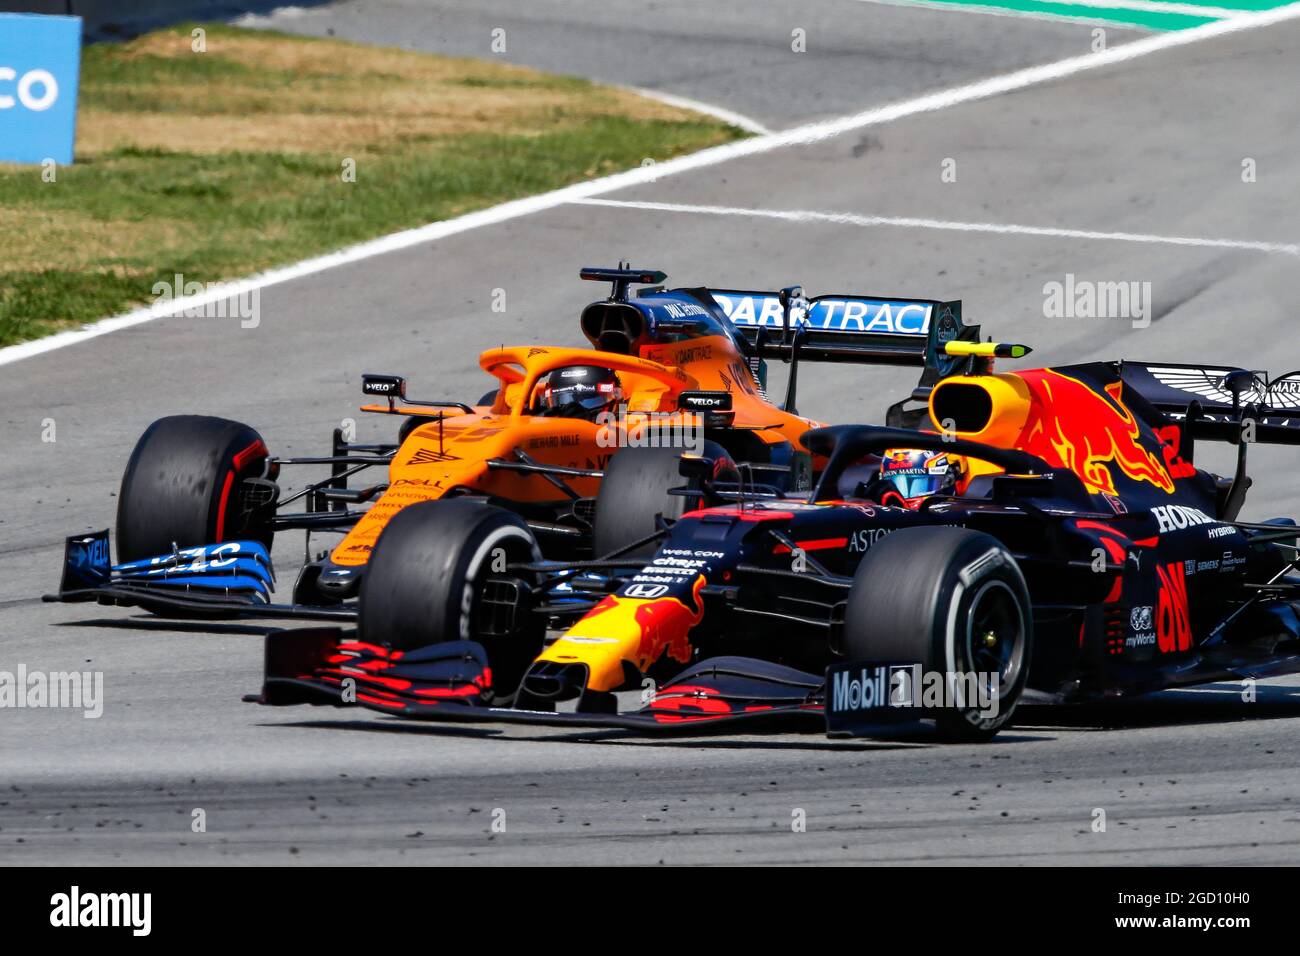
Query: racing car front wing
{"x": 230, "y": 579}
{"x": 452, "y": 682}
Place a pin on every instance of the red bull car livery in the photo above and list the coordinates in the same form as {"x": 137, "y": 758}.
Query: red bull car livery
{"x": 1069, "y": 548}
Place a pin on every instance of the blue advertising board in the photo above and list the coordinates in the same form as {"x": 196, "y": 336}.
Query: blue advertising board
{"x": 40, "y": 61}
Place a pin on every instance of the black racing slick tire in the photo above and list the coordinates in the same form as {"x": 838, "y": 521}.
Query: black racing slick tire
{"x": 424, "y": 583}
{"x": 410, "y": 425}
{"x": 185, "y": 486}
{"x": 634, "y": 495}
{"x": 953, "y": 600}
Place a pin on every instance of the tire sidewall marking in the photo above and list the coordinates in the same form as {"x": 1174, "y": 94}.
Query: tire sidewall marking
{"x": 970, "y": 574}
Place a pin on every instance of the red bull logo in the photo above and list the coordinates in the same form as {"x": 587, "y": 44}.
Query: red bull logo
{"x": 638, "y": 630}
{"x": 1072, "y": 425}
{"x": 665, "y": 625}
{"x": 665, "y": 630}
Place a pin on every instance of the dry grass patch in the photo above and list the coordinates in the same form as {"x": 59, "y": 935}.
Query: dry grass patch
{"x": 225, "y": 162}
{"x": 296, "y": 94}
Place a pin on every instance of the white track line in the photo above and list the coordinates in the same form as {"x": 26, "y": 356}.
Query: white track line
{"x": 908, "y": 222}
{"x": 979, "y": 9}
{"x": 730, "y": 117}
{"x": 799, "y": 136}
{"x": 1150, "y": 6}
{"x": 1136, "y": 6}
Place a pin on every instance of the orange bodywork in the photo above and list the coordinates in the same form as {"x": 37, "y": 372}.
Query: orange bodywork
{"x": 452, "y": 454}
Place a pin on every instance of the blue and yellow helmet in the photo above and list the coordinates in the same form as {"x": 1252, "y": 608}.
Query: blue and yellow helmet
{"x": 914, "y": 475}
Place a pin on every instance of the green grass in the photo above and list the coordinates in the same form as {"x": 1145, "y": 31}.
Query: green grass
{"x": 225, "y": 163}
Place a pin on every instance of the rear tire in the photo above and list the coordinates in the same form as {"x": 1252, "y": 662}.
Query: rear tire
{"x": 422, "y": 583}
{"x": 634, "y": 495}
{"x": 182, "y": 487}
{"x": 953, "y": 600}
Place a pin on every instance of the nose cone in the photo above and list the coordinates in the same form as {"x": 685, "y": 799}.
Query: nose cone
{"x": 622, "y": 630}
{"x": 338, "y": 582}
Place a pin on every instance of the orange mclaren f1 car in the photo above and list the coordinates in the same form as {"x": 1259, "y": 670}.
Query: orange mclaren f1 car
{"x": 668, "y": 369}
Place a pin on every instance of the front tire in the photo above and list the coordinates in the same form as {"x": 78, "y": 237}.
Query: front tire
{"x": 183, "y": 487}
{"x": 953, "y": 600}
{"x": 424, "y": 582}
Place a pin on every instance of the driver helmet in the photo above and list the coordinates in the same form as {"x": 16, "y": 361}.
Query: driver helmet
{"x": 910, "y": 475}
{"x": 578, "y": 391}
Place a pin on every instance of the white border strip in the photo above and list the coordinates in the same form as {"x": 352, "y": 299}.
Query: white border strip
{"x": 1108, "y": 11}
{"x": 799, "y": 136}
{"x": 731, "y": 118}
{"x": 908, "y": 222}
{"x": 983, "y": 9}
{"x": 1152, "y": 6}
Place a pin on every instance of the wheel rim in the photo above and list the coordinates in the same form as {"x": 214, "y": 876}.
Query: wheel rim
{"x": 479, "y": 583}
{"x": 509, "y": 654}
{"x": 995, "y": 634}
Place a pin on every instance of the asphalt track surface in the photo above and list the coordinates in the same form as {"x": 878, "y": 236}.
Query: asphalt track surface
{"x": 730, "y": 53}
{"x": 1152, "y": 146}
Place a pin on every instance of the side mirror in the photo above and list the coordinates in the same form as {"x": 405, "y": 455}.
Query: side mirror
{"x": 385, "y": 386}
{"x": 714, "y": 407}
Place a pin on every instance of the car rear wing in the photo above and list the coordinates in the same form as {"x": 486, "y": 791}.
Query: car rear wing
{"x": 863, "y": 329}
{"x": 1221, "y": 403}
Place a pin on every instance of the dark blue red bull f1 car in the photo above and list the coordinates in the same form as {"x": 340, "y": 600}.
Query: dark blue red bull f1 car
{"x": 1072, "y": 549}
